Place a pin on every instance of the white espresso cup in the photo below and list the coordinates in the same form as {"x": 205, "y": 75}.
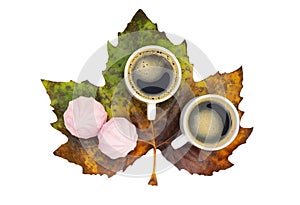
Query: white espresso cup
{"x": 209, "y": 122}
{"x": 152, "y": 74}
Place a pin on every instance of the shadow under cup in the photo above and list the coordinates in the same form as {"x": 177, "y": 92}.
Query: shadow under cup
{"x": 210, "y": 122}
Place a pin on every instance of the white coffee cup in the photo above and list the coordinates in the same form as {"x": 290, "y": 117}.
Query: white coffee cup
{"x": 152, "y": 75}
{"x": 209, "y": 122}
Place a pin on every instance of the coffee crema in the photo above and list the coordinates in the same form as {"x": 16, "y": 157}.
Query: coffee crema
{"x": 153, "y": 74}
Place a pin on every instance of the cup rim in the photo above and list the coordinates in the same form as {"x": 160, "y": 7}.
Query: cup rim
{"x": 188, "y": 109}
{"x": 134, "y": 93}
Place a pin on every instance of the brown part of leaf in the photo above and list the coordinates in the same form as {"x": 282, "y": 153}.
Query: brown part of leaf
{"x": 172, "y": 109}
{"x": 166, "y": 123}
{"x": 195, "y": 160}
{"x": 86, "y": 154}
{"x": 198, "y": 161}
{"x": 228, "y": 85}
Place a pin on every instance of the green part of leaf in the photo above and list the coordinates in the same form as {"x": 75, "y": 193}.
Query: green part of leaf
{"x": 61, "y": 93}
{"x": 140, "y": 32}
{"x": 139, "y": 22}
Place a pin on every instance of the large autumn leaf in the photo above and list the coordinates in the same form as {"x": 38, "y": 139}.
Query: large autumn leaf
{"x": 157, "y": 134}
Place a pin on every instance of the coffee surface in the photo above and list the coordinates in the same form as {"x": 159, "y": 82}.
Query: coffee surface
{"x": 209, "y": 123}
{"x": 152, "y": 75}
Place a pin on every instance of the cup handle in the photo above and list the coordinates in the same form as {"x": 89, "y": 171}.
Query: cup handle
{"x": 179, "y": 141}
{"x": 151, "y": 111}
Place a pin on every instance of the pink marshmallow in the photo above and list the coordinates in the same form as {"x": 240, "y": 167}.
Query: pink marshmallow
{"x": 84, "y": 117}
{"x": 117, "y": 137}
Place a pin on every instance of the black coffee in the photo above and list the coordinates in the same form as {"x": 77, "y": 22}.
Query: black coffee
{"x": 209, "y": 122}
{"x": 152, "y": 75}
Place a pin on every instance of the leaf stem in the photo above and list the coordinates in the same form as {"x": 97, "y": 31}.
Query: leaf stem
{"x": 153, "y": 179}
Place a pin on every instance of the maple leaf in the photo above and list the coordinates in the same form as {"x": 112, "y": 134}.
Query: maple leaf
{"x": 157, "y": 134}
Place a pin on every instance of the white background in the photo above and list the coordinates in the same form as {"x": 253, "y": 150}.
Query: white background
{"x": 54, "y": 39}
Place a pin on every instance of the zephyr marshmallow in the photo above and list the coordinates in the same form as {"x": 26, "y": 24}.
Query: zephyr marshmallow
{"x": 84, "y": 117}
{"x": 117, "y": 137}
